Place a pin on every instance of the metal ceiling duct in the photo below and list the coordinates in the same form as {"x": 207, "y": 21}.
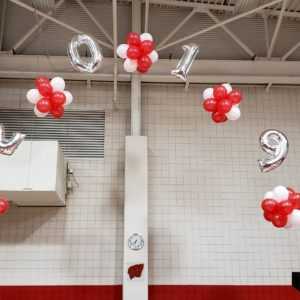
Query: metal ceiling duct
{"x": 43, "y": 4}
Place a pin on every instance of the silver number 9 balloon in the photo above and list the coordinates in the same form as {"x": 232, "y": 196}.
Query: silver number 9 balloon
{"x": 9, "y": 146}
{"x": 276, "y": 144}
{"x": 91, "y": 64}
{"x": 186, "y": 61}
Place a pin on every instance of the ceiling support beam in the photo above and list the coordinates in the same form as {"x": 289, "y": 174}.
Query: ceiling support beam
{"x": 115, "y": 36}
{"x": 224, "y": 8}
{"x": 239, "y": 5}
{"x": 230, "y": 20}
{"x": 31, "y": 31}
{"x": 2, "y": 24}
{"x": 232, "y": 35}
{"x": 267, "y": 32}
{"x": 136, "y": 101}
{"x": 91, "y": 16}
{"x": 196, "y": 5}
{"x": 203, "y": 71}
{"x": 177, "y": 28}
{"x": 277, "y": 29}
{"x": 268, "y": 87}
{"x": 147, "y": 7}
{"x": 291, "y": 51}
{"x": 64, "y": 25}
{"x": 276, "y": 13}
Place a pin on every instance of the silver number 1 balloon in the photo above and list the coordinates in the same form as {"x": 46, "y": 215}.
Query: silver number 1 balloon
{"x": 276, "y": 144}
{"x": 9, "y": 146}
{"x": 186, "y": 61}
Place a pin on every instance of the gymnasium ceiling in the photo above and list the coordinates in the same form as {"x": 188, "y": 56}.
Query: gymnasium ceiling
{"x": 244, "y": 39}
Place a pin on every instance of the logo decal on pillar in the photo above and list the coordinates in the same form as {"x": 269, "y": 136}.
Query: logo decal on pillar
{"x": 135, "y": 271}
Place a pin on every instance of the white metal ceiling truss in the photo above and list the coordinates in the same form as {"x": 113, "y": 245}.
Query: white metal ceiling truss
{"x": 50, "y": 18}
{"x": 278, "y": 6}
{"x": 292, "y": 8}
{"x": 221, "y": 12}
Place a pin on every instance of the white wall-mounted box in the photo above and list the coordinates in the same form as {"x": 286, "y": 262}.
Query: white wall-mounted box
{"x": 35, "y": 175}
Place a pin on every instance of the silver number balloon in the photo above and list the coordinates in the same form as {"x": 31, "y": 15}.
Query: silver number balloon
{"x": 87, "y": 64}
{"x": 186, "y": 61}
{"x": 9, "y": 146}
{"x": 276, "y": 145}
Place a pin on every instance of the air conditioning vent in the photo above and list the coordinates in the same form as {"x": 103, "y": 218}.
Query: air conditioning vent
{"x": 80, "y": 133}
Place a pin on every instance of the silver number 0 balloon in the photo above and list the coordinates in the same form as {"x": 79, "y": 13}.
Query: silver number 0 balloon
{"x": 91, "y": 64}
{"x": 276, "y": 144}
{"x": 186, "y": 61}
{"x": 9, "y": 146}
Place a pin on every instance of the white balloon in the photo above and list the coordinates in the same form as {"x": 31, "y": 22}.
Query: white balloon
{"x": 234, "y": 114}
{"x": 69, "y": 98}
{"x": 38, "y": 113}
{"x": 58, "y": 84}
{"x": 146, "y": 37}
{"x": 269, "y": 195}
{"x": 153, "y": 56}
{"x": 293, "y": 219}
{"x": 281, "y": 193}
{"x": 122, "y": 50}
{"x": 208, "y": 93}
{"x": 130, "y": 65}
{"x": 228, "y": 87}
{"x": 33, "y": 96}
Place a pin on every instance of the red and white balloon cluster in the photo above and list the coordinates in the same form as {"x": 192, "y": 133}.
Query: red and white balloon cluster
{"x": 281, "y": 207}
{"x": 223, "y": 102}
{"x": 49, "y": 97}
{"x": 139, "y": 53}
{"x": 4, "y": 205}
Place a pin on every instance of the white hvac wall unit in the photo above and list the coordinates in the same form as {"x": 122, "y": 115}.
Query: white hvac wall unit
{"x": 35, "y": 175}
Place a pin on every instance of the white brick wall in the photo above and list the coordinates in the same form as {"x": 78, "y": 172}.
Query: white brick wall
{"x": 205, "y": 188}
{"x": 82, "y": 243}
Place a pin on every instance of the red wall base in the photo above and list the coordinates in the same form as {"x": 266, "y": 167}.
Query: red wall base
{"x": 156, "y": 292}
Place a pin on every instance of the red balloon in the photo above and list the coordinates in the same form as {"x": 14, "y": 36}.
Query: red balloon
{"x": 269, "y": 205}
{"x": 224, "y": 106}
{"x": 218, "y": 117}
{"x": 285, "y": 207}
{"x": 279, "y": 220}
{"x": 133, "y": 52}
{"x": 220, "y": 92}
{"x": 235, "y": 96}
{"x": 45, "y": 89}
{"x": 295, "y": 199}
{"x": 133, "y": 39}
{"x": 43, "y": 105}
{"x": 147, "y": 46}
{"x": 40, "y": 80}
{"x": 144, "y": 62}
{"x": 142, "y": 70}
{"x": 58, "y": 99}
{"x": 57, "y": 112}
{"x": 4, "y": 206}
{"x": 268, "y": 216}
{"x": 210, "y": 105}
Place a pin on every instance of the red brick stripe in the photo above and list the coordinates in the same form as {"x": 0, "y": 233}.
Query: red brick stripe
{"x": 156, "y": 292}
